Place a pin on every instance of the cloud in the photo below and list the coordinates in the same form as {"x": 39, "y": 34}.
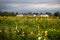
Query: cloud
{"x": 32, "y": 5}
{"x": 31, "y": 1}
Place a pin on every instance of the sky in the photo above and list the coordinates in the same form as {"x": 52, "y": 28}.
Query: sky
{"x": 30, "y": 5}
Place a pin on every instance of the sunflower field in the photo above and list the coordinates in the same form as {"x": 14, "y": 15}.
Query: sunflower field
{"x": 29, "y": 28}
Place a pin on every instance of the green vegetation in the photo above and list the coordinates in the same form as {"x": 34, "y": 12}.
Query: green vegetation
{"x": 29, "y": 28}
{"x": 5, "y": 13}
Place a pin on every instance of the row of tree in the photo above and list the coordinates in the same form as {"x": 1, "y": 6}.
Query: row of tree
{"x": 5, "y": 13}
{"x": 14, "y": 14}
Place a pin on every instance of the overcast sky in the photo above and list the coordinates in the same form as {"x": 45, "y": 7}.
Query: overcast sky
{"x": 30, "y": 5}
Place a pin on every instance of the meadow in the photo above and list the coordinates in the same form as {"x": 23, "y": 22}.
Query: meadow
{"x": 29, "y": 28}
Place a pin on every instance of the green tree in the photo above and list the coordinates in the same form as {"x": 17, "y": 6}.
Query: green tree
{"x": 57, "y": 14}
{"x": 50, "y": 14}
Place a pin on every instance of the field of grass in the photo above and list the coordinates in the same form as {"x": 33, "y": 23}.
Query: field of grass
{"x": 29, "y": 28}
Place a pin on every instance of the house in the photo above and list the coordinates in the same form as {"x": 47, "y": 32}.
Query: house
{"x": 44, "y": 15}
{"x": 34, "y": 15}
{"x": 21, "y": 14}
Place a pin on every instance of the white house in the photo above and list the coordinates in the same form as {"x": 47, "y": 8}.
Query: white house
{"x": 34, "y": 15}
{"x": 44, "y": 15}
{"x": 20, "y": 15}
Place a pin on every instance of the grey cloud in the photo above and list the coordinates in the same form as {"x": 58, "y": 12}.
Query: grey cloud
{"x": 10, "y": 5}
{"x": 31, "y": 1}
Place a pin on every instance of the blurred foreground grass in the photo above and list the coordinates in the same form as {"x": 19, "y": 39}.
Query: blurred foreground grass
{"x": 29, "y": 28}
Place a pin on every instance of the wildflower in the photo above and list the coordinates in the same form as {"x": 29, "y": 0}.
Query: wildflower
{"x": 44, "y": 39}
{"x": 0, "y": 31}
{"x": 41, "y": 19}
{"x": 49, "y": 19}
{"x": 38, "y": 34}
{"x": 54, "y": 29}
{"x": 33, "y": 20}
{"x": 57, "y": 17}
{"x": 36, "y": 19}
{"x": 39, "y": 38}
{"x": 46, "y": 33}
{"x": 15, "y": 31}
{"x": 23, "y": 34}
{"x": 16, "y": 28}
{"x": 38, "y": 27}
{"x": 31, "y": 32}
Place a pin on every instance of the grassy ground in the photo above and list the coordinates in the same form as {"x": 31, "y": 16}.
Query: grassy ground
{"x": 29, "y": 28}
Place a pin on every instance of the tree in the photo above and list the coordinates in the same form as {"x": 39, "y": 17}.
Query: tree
{"x": 36, "y": 13}
{"x": 41, "y": 13}
{"x": 50, "y": 14}
{"x": 0, "y": 12}
{"x": 29, "y": 13}
{"x": 5, "y": 13}
{"x": 57, "y": 14}
{"x": 16, "y": 13}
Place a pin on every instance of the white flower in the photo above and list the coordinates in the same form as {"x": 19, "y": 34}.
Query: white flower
{"x": 17, "y": 30}
{"x": 22, "y": 32}
{"x": 39, "y": 38}
{"x": 16, "y": 27}
{"x": 44, "y": 39}
{"x": 46, "y": 33}
{"x": 39, "y": 34}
